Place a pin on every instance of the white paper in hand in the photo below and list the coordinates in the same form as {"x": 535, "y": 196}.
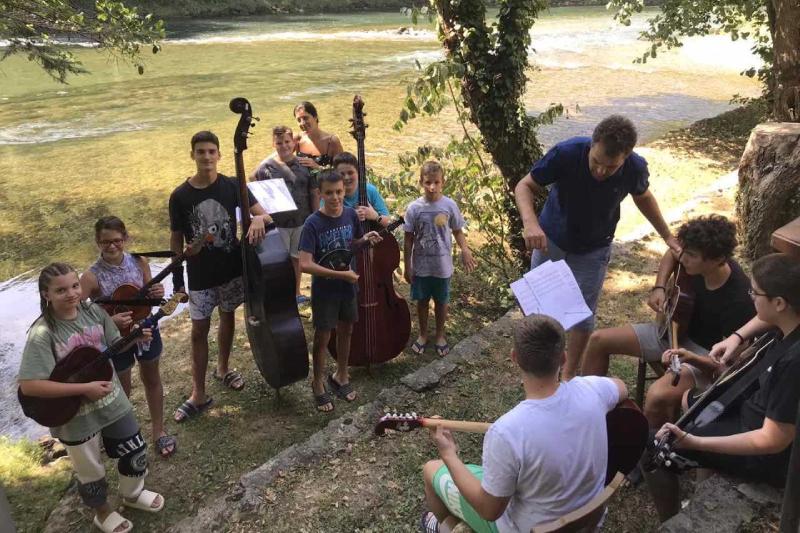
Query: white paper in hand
{"x": 551, "y": 289}
{"x": 273, "y": 195}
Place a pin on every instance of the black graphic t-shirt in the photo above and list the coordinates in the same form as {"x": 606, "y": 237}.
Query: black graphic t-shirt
{"x": 210, "y": 214}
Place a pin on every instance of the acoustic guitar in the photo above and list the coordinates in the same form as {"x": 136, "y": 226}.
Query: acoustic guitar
{"x": 85, "y": 364}
{"x": 626, "y": 426}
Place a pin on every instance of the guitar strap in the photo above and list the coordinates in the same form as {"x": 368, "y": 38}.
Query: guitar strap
{"x": 713, "y": 410}
{"x": 157, "y": 253}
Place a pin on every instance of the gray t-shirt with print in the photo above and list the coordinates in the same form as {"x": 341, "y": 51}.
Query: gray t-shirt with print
{"x": 432, "y": 224}
{"x": 92, "y": 327}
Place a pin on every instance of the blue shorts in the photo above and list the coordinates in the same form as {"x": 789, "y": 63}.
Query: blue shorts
{"x": 124, "y": 361}
{"x": 427, "y": 287}
{"x": 589, "y": 269}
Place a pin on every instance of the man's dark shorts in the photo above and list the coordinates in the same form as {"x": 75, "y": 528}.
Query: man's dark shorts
{"x": 326, "y": 314}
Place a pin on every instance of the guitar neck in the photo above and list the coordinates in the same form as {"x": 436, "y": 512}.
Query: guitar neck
{"x": 457, "y": 425}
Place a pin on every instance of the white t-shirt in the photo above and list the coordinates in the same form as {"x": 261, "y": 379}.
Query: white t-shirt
{"x": 549, "y": 455}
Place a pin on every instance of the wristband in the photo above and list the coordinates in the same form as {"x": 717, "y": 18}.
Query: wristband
{"x": 738, "y": 335}
{"x": 659, "y": 287}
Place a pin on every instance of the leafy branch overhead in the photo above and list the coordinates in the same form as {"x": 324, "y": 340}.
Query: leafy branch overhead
{"x": 45, "y": 30}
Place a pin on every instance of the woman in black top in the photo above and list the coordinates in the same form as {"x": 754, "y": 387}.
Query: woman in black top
{"x": 753, "y": 438}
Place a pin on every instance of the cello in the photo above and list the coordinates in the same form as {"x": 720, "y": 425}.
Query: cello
{"x": 384, "y": 322}
{"x": 274, "y": 329}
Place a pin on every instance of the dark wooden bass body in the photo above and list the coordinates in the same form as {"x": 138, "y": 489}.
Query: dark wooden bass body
{"x": 276, "y": 335}
{"x": 384, "y": 321}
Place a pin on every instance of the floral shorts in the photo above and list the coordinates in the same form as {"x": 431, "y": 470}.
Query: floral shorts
{"x": 227, "y": 297}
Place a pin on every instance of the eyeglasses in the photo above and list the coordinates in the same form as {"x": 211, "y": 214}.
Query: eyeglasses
{"x": 105, "y": 243}
{"x": 753, "y": 293}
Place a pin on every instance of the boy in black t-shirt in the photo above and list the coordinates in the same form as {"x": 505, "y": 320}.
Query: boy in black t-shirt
{"x": 721, "y": 305}
{"x": 333, "y": 292}
{"x": 752, "y": 438}
{"x": 204, "y": 208}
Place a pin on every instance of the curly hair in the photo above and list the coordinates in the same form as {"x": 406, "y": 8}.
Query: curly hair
{"x": 713, "y": 236}
{"x": 617, "y": 133}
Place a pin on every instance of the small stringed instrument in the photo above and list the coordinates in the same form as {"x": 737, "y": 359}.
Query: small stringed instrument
{"x": 276, "y": 335}
{"x": 626, "y": 425}
{"x": 704, "y": 410}
{"x": 341, "y": 258}
{"x": 678, "y": 303}
{"x": 85, "y": 364}
{"x": 384, "y": 322}
{"x": 129, "y": 297}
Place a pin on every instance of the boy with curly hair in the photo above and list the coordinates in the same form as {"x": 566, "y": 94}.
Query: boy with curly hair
{"x": 722, "y": 305}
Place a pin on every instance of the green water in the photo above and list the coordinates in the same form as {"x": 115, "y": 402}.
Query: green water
{"x": 116, "y": 142}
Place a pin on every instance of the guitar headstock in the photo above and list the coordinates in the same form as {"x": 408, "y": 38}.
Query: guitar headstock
{"x": 168, "y": 307}
{"x": 359, "y": 126}
{"x": 398, "y": 422}
{"x": 396, "y": 223}
{"x": 242, "y": 107}
{"x": 196, "y": 244}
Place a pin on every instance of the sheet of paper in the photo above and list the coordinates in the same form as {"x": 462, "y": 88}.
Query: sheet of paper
{"x": 273, "y": 195}
{"x": 552, "y": 290}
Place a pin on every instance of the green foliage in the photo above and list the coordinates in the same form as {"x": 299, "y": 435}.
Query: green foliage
{"x": 44, "y": 30}
{"x": 741, "y": 19}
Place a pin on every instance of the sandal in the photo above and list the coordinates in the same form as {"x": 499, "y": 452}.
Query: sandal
{"x": 324, "y": 399}
{"x": 112, "y": 522}
{"x": 442, "y": 349}
{"x": 342, "y": 391}
{"x": 419, "y": 348}
{"x": 166, "y": 443}
{"x": 144, "y": 502}
{"x": 428, "y": 523}
{"x": 189, "y": 410}
{"x": 232, "y": 379}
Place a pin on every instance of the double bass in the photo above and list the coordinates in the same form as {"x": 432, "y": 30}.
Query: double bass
{"x": 384, "y": 322}
{"x": 273, "y": 324}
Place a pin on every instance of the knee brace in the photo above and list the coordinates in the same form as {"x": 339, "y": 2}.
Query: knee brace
{"x": 130, "y": 452}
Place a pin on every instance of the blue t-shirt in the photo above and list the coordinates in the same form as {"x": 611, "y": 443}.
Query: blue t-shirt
{"x": 320, "y": 235}
{"x": 581, "y": 213}
{"x": 373, "y": 197}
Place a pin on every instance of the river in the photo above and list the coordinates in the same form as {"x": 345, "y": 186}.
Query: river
{"x": 116, "y": 142}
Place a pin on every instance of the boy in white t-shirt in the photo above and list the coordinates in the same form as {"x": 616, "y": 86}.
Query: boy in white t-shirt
{"x": 542, "y": 459}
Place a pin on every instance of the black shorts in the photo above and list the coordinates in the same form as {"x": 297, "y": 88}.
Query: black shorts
{"x": 326, "y": 314}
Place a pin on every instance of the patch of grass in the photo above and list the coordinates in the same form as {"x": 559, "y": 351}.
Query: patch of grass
{"x": 32, "y": 488}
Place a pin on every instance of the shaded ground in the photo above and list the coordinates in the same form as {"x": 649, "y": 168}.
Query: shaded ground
{"x": 375, "y": 485}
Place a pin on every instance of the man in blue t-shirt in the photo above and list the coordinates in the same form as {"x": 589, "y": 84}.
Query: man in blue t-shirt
{"x": 589, "y": 178}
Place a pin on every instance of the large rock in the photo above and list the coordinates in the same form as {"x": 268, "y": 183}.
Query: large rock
{"x": 769, "y": 184}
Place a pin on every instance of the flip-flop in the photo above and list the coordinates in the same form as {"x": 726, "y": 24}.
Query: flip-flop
{"x": 302, "y": 299}
{"x": 442, "y": 349}
{"x": 419, "y": 348}
{"x": 189, "y": 410}
{"x": 230, "y": 379}
{"x": 165, "y": 442}
{"x": 324, "y": 399}
{"x": 342, "y": 391}
{"x": 112, "y": 522}
{"x": 428, "y": 523}
{"x": 144, "y": 502}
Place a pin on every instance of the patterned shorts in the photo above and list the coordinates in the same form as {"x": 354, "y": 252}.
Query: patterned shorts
{"x": 227, "y": 297}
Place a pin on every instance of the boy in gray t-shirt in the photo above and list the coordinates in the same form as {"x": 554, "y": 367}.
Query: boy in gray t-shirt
{"x": 430, "y": 220}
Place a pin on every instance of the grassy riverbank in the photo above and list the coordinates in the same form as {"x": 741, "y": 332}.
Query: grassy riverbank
{"x": 244, "y": 429}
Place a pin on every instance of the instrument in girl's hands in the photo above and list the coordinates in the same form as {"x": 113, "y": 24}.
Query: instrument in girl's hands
{"x": 626, "y": 425}
{"x": 341, "y": 258}
{"x": 130, "y": 298}
{"x": 85, "y": 364}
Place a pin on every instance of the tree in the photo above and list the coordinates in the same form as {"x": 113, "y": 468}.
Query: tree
{"x": 44, "y": 30}
{"x": 774, "y": 26}
{"x": 488, "y": 63}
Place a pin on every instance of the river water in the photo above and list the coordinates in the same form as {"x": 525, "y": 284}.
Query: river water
{"x": 116, "y": 142}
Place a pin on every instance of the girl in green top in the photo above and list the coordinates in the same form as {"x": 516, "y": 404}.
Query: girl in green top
{"x": 68, "y": 322}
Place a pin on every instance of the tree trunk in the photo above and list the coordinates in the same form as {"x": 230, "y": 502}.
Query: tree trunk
{"x": 786, "y": 68}
{"x": 769, "y": 185}
{"x": 493, "y": 85}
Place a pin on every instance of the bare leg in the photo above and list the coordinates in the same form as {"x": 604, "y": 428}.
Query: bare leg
{"x": 423, "y": 307}
{"x": 318, "y": 352}
{"x": 665, "y": 490}
{"x": 576, "y": 343}
{"x": 154, "y": 392}
{"x": 227, "y": 326}
{"x": 446, "y": 521}
{"x": 298, "y": 275}
{"x": 603, "y": 343}
{"x": 200, "y": 330}
{"x": 440, "y": 311}
{"x": 344, "y": 332}
{"x": 125, "y": 381}
{"x": 663, "y": 401}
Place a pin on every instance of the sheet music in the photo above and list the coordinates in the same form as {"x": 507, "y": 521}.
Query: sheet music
{"x": 273, "y": 195}
{"x": 551, "y": 289}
